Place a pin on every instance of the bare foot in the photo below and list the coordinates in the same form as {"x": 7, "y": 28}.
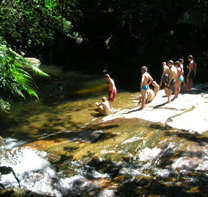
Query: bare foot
{"x": 168, "y": 101}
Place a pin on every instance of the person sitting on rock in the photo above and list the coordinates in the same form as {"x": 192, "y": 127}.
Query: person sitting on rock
{"x": 104, "y": 107}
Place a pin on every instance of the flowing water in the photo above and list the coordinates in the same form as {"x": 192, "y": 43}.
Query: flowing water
{"x": 58, "y": 146}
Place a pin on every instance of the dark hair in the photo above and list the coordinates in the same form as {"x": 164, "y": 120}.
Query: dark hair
{"x": 144, "y": 68}
{"x": 181, "y": 60}
{"x": 177, "y": 63}
{"x": 107, "y": 75}
{"x": 190, "y": 56}
{"x": 170, "y": 61}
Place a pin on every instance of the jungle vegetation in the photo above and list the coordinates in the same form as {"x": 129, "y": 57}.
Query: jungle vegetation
{"x": 96, "y": 35}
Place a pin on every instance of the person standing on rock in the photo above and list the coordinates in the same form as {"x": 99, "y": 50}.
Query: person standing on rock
{"x": 164, "y": 77}
{"x": 179, "y": 79}
{"x": 191, "y": 73}
{"x": 111, "y": 89}
{"x": 171, "y": 80}
{"x": 181, "y": 61}
{"x": 144, "y": 85}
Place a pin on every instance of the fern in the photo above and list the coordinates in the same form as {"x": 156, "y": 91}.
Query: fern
{"x": 13, "y": 77}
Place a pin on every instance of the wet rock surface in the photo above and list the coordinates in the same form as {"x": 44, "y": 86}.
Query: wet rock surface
{"x": 187, "y": 112}
{"x": 161, "y": 150}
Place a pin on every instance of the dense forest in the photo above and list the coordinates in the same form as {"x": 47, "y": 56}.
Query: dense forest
{"x": 113, "y": 35}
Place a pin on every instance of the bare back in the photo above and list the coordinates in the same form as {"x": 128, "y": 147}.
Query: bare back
{"x": 192, "y": 65}
{"x": 165, "y": 69}
{"x": 106, "y": 107}
{"x": 111, "y": 85}
{"x": 150, "y": 95}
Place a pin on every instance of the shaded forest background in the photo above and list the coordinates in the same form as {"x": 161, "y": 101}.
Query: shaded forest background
{"x": 116, "y": 36}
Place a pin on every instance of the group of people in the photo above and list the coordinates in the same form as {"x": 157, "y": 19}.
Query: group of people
{"x": 172, "y": 77}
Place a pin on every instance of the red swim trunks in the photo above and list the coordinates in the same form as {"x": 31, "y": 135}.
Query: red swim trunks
{"x": 109, "y": 95}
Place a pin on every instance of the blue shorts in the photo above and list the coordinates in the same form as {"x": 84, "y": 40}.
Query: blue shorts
{"x": 145, "y": 87}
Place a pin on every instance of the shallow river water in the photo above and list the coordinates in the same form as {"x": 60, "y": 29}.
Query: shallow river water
{"x": 58, "y": 146}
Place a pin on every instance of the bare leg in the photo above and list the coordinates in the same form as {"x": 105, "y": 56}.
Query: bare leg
{"x": 101, "y": 110}
{"x": 176, "y": 93}
{"x": 110, "y": 103}
{"x": 191, "y": 83}
{"x": 160, "y": 84}
{"x": 168, "y": 94}
{"x": 143, "y": 93}
{"x": 184, "y": 83}
{"x": 177, "y": 88}
{"x": 188, "y": 84}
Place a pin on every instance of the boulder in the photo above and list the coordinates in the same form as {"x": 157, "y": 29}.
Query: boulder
{"x": 35, "y": 62}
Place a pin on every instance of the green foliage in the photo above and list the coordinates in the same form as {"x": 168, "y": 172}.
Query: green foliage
{"x": 33, "y": 22}
{"x": 120, "y": 32}
{"x": 13, "y": 76}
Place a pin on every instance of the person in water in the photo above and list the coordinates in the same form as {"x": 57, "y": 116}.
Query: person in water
{"x": 191, "y": 73}
{"x": 171, "y": 80}
{"x": 104, "y": 107}
{"x": 111, "y": 89}
{"x": 179, "y": 79}
{"x": 144, "y": 85}
{"x": 165, "y": 72}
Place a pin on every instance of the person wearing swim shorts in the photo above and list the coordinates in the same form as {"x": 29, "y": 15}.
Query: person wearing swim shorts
{"x": 192, "y": 72}
{"x": 171, "y": 80}
{"x": 179, "y": 79}
{"x": 144, "y": 85}
{"x": 112, "y": 91}
{"x": 164, "y": 77}
{"x": 104, "y": 107}
{"x": 181, "y": 61}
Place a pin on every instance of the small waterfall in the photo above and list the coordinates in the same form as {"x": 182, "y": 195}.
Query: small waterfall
{"x": 37, "y": 174}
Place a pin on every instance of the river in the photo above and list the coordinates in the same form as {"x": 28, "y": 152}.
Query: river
{"x": 58, "y": 146}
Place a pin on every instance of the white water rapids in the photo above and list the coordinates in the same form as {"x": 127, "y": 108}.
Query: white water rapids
{"x": 37, "y": 174}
